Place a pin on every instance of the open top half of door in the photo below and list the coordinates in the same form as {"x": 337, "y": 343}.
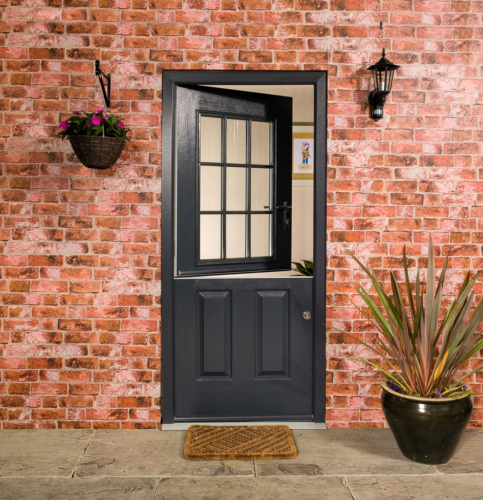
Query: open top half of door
{"x": 233, "y": 181}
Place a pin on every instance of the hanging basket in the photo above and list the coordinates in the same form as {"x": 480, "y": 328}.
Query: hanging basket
{"x": 97, "y": 151}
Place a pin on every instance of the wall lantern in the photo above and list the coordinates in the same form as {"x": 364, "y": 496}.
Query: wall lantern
{"x": 383, "y": 73}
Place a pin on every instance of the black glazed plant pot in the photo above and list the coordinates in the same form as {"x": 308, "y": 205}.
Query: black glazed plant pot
{"x": 426, "y": 430}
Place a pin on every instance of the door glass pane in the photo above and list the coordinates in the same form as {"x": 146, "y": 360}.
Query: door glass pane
{"x": 210, "y": 140}
{"x": 210, "y": 188}
{"x": 235, "y": 236}
{"x": 210, "y": 236}
{"x": 260, "y": 143}
{"x": 236, "y": 141}
{"x": 260, "y": 235}
{"x": 260, "y": 189}
{"x": 236, "y": 188}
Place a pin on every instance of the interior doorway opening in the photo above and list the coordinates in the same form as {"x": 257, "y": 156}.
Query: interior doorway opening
{"x": 245, "y": 187}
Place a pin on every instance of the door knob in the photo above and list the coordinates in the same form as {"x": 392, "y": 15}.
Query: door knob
{"x": 306, "y": 315}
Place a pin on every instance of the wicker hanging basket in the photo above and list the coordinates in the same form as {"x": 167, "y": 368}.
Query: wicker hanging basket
{"x": 97, "y": 151}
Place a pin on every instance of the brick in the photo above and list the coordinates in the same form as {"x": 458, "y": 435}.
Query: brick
{"x": 51, "y": 53}
{"x": 135, "y": 300}
{"x": 347, "y": 5}
{"x": 66, "y": 324}
{"x": 254, "y": 5}
{"x": 49, "y": 388}
{"x": 45, "y": 260}
{"x": 136, "y": 402}
{"x": 21, "y": 375}
{"x": 84, "y": 389}
{"x": 105, "y": 414}
{"x": 76, "y": 402}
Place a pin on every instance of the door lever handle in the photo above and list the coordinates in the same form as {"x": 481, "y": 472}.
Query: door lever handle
{"x": 286, "y": 208}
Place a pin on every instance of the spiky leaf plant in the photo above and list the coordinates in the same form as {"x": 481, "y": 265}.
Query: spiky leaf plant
{"x": 423, "y": 354}
{"x": 305, "y": 269}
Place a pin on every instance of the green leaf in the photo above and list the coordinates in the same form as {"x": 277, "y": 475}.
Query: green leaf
{"x": 309, "y": 265}
{"x": 408, "y": 285}
{"x": 303, "y": 269}
{"x": 392, "y": 377}
{"x": 470, "y": 373}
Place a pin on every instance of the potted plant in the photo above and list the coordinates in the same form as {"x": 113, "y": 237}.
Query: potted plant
{"x": 423, "y": 347}
{"x": 97, "y": 139}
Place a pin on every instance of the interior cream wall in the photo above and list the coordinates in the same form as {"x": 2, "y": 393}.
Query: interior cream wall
{"x": 303, "y": 214}
{"x": 302, "y": 95}
{"x": 302, "y": 189}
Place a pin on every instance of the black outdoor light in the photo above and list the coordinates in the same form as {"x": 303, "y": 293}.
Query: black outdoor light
{"x": 383, "y": 73}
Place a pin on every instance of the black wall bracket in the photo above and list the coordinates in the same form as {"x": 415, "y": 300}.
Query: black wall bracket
{"x": 101, "y": 76}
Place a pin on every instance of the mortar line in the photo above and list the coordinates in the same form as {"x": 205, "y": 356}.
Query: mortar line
{"x": 441, "y": 473}
{"x": 158, "y": 480}
{"x": 438, "y": 474}
{"x": 83, "y": 453}
{"x": 346, "y": 483}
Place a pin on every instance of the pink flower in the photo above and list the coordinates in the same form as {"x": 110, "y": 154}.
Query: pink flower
{"x": 64, "y": 125}
{"x": 77, "y": 113}
{"x": 100, "y": 110}
{"x": 89, "y": 124}
{"x": 96, "y": 120}
{"x": 120, "y": 125}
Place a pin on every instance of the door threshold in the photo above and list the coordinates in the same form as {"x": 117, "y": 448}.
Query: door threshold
{"x": 183, "y": 426}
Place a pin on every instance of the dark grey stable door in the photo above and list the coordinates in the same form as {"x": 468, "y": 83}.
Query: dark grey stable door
{"x": 242, "y": 347}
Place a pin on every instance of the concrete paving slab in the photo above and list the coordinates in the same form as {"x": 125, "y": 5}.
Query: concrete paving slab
{"x": 259, "y": 488}
{"x": 150, "y": 453}
{"x": 452, "y": 487}
{"x": 26, "y": 453}
{"x": 468, "y": 458}
{"x": 341, "y": 452}
{"x": 72, "y": 489}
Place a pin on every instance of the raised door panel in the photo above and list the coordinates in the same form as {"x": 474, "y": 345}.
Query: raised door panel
{"x": 272, "y": 333}
{"x": 214, "y": 334}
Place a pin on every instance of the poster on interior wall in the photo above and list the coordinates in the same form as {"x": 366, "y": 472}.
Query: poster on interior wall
{"x": 303, "y": 155}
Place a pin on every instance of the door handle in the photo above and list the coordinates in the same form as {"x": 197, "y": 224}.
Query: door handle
{"x": 306, "y": 315}
{"x": 286, "y": 209}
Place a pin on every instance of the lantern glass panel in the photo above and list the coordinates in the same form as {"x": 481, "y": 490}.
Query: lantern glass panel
{"x": 380, "y": 80}
{"x": 391, "y": 78}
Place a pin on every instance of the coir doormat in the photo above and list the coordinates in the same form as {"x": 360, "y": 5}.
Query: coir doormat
{"x": 244, "y": 442}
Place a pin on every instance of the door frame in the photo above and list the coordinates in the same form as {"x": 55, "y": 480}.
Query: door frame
{"x": 172, "y": 78}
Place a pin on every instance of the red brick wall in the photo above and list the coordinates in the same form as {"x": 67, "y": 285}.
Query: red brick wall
{"x": 80, "y": 250}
